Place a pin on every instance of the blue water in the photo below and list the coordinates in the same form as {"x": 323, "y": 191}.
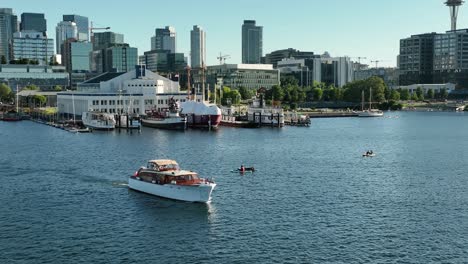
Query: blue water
{"x": 313, "y": 199}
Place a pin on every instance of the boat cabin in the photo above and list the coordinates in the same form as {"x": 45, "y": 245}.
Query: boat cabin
{"x": 179, "y": 177}
{"x": 163, "y": 165}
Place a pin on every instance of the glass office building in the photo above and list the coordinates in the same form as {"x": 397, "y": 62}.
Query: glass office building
{"x": 120, "y": 58}
{"x": 8, "y": 25}
{"x": 33, "y": 46}
{"x": 76, "y": 55}
{"x": 104, "y": 40}
{"x": 82, "y": 24}
{"x": 252, "y": 42}
{"x": 33, "y": 22}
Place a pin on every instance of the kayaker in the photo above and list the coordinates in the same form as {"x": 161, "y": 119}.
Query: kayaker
{"x": 242, "y": 168}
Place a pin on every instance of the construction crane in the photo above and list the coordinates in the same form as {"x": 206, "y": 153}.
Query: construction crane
{"x": 92, "y": 28}
{"x": 359, "y": 59}
{"x": 377, "y": 62}
{"x": 222, "y": 58}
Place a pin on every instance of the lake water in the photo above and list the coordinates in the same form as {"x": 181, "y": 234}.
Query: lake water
{"x": 313, "y": 199}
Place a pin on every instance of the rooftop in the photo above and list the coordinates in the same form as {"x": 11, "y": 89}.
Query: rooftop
{"x": 104, "y": 77}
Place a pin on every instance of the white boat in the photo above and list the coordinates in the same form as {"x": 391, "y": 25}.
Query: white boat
{"x": 164, "y": 178}
{"x": 201, "y": 114}
{"x": 98, "y": 120}
{"x": 369, "y": 112}
{"x": 166, "y": 119}
{"x": 265, "y": 116}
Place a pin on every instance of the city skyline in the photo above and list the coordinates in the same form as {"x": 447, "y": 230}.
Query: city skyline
{"x": 362, "y": 28}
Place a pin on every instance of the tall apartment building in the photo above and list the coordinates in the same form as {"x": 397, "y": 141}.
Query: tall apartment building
{"x": 8, "y": 26}
{"x": 65, "y": 30}
{"x": 82, "y": 24}
{"x": 252, "y": 42}
{"x": 164, "y": 39}
{"x": 197, "y": 47}
{"x": 451, "y": 58}
{"x": 33, "y": 22}
{"x": 417, "y": 59}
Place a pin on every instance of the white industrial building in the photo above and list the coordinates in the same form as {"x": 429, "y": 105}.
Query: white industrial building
{"x": 449, "y": 87}
{"x": 137, "y": 91}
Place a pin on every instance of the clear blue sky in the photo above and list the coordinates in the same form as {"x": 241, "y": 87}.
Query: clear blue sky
{"x": 366, "y": 28}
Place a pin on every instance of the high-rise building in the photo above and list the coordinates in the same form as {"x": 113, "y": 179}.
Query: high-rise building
{"x": 164, "y": 39}
{"x": 33, "y": 45}
{"x": 417, "y": 59}
{"x": 198, "y": 47}
{"x": 8, "y": 26}
{"x": 82, "y": 23}
{"x": 451, "y": 58}
{"x": 164, "y": 62}
{"x": 120, "y": 58}
{"x": 65, "y": 30}
{"x": 76, "y": 55}
{"x": 33, "y": 22}
{"x": 252, "y": 42}
{"x": 103, "y": 40}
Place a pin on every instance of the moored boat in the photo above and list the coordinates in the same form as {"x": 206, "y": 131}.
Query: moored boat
{"x": 369, "y": 112}
{"x": 201, "y": 114}
{"x": 98, "y": 120}
{"x": 166, "y": 119}
{"x": 164, "y": 178}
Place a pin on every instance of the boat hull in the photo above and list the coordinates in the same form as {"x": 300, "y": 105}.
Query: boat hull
{"x": 203, "y": 121}
{"x": 167, "y": 123}
{"x": 370, "y": 114}
{"x": 196, "y": 193}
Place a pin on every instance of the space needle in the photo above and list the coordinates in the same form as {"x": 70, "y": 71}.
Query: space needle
{"x": 454, "y": 5}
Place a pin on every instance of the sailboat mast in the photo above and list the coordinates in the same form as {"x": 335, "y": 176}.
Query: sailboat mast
{"x": 370, "y": 99}
{"x": 362, "y": 100}
{"x": 17, "y": 101}
{"x": 73, "y": 103}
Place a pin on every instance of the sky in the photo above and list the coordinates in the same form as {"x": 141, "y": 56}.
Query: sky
{"x": 354, "y": 28}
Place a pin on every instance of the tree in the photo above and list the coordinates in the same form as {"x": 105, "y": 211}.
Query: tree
{"x": 353, "y": 90}
{"x": 318, "y": 93}
{"x": 414, "y": 97}
{"x": 39, "y": 99}
{"x": 32, "y": 87}
{"x": 405, "y": 95}
{"x": 394, "y": 95}
{"x": 58, "y": 88}
{"x": 420, "y": 94}
{"x": 277, "y": 93}
{"x": 5, "y": 91}
{"x": 288, "y": 80}
{"x": 245, "y": 93}
{"x": 443, "y": 93}
{"x": 3, "y": 60}
{"x": 430, "y": 94}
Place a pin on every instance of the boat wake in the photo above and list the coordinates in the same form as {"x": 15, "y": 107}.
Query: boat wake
{"x": 120, "y": 184}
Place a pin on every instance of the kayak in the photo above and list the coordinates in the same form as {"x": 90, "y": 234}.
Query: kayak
{"x": 368, "y": 155}
{"x": 238, "y": 171}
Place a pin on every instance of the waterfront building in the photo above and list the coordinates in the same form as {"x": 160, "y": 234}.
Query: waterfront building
{"x": 33, "y": 22}
{"x": 278, "y": 55}
{"x": 451, "y": 58}
{"x": 197, "y": 47}
{"x": 252, "y": 42}
{"x": 449, "y": 87}
{"x": 34, "y": 46}
{"x": 332, "y": 71}
{"x": 104, "y": 40}
{"x": 8, "y": 26}
{"x": 65, "y": 30}
{"x": 45, "y": 77}
{"x": 251, "y": 76}
{"x": 136, "y": 91}
{"x": 164, "y": 39}
{"x": 82, "y": 24}
{"x": 417, "y": 59}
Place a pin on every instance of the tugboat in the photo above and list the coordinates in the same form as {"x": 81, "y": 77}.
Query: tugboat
{"x": 164, "y": 178}
{"x": 166, "y": 119}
